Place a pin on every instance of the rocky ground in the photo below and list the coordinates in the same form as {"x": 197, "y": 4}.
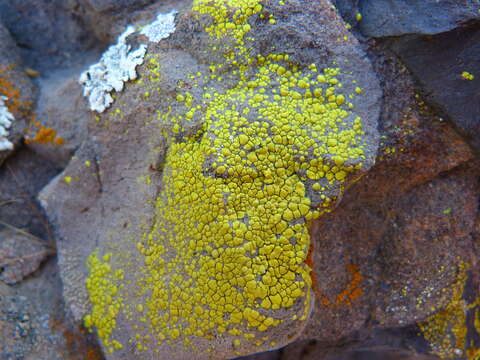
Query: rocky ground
{"x": 395, "y": 264}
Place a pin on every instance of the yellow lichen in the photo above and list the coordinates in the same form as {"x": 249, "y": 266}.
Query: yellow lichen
{"x": 446, "y": 330}
{"x": 228, "y": 250}
{"x": 467, "y": 76}
{"x": 103, "y": 291}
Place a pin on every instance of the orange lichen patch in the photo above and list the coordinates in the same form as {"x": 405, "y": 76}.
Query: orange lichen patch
{"x": 350, "y": 294}
{"x": 7, "y": 88}
{"x": 473, "y": 354}
{"x": 77, "y": 344}
{"x": 353, "y": 291}
{"x": 45, "y": 135}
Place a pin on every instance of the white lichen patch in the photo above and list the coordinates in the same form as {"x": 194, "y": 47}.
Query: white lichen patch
{"x": 117, "y": 66}
{"x": 161, "y": 28}
{"x": 6, "y": 119}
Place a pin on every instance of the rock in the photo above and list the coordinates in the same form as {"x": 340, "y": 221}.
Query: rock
{"x": 49, "y": 32}
{"x": 22, "y": 176}
{"x": 33, "y": 324}
{"x": 18, "y": 93}
{"x": 383, "y": 18}
{"x": 438, "y": 63}
{"x": 316, "y": 351}
{"x": 62, "y": 109}
{"x": 348, "y": 9}
{"x": 395, "y": 241}
{"x": 115, "y": 5}
{"x": 114, "y": 205}
{"x": 20, "y": 255}
{"x": 108, "y": 18}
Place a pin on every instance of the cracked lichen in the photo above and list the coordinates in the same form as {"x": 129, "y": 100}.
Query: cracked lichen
{"x": 227, "y": 254}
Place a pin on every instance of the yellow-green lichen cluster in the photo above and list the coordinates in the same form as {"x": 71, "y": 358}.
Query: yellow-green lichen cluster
{"x": 103, "y": 291}
{"x": 467, "y": 76}
{"x": 447, "y": 330}
{"x": 227, "y": 251}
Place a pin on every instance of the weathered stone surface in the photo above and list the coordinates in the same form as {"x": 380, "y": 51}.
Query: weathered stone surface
{"x": 113, "y": 192}
{"x": 395, "y": 241}
{"x": 110, "y": 5}
{"x": 33, "y": 324}
{"x": 424, "y": 17}
{"x": 438, "y": 63}
{"x": 106, "y": 19}
{"x": 16, "y": 87}
{"x": 49, "y": 32}
{"x": 22, "y": 176}
{"x": 61, "y": 108}
{"x": 20, "y": 255}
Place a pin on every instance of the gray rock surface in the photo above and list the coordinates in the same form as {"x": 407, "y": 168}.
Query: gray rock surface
{"x": 22, "y": 176}
{"x": 61, "y": 107}
{"x": 34, "y": 325}
{"x": 424, "y": 17}
{"x": 21, "y": 254}
{"x": 49, "y": 32}
{"x": 438, "y": 63}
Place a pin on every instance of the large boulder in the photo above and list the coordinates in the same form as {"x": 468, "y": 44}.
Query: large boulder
{"x": 183, "y": 219}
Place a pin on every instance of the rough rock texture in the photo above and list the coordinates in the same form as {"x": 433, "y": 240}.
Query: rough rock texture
{"x": 20, "y": 255}
{"x": 33, "y": 321}
{"x": 106, "y": 19}
{"x": 22, "y": 176}
{"x": 395, "y": 264}
{"x": 16, "y": 87}
{"x": 34, "y": 325}
{"x": 61, "y": 107}
{"x": 438, "y": 63}
{"x": 49, "y": 32}
{"x": 424, "y": 17}
{"x": 106, "y": 195}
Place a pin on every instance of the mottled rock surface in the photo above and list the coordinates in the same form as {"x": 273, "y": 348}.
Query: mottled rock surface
{"x": 61, "y": 107}
{"x": 423, "y": 17}
{"x": 395, "y": 264}
{"x": 49, "y": 33}
{"x": 438, "y": 63}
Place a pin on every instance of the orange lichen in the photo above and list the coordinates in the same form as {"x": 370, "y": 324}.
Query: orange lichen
{"x": 7, "y": 88}
{"x": 350, "y": 294}
{"x": 45, "y": 135}
{"x": 353, "y": 291}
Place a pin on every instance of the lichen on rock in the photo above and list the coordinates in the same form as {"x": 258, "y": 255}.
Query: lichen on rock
{"x": 256, "y": 140}
{"x": 161, "y": 27}
{"x": 6, "y": 118}
{"x": 117, "y": 65}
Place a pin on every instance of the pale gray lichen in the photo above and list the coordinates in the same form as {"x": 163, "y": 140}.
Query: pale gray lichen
{"x": 161, "y": 28}
{"x": 116, "y": 67}
{"x": 6, "y": 119}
